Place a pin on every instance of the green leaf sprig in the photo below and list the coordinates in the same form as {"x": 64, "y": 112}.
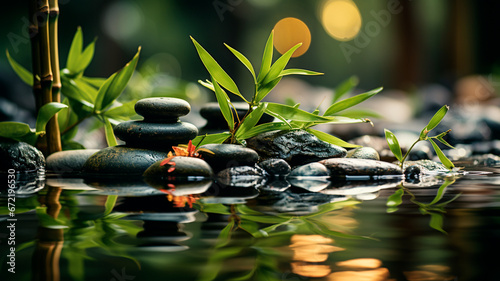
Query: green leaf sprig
{"x": 395, "y": 148}
{"x": 290, "y": 117}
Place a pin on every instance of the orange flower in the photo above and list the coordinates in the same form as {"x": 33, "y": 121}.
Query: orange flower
{"x": 188, "y": 150}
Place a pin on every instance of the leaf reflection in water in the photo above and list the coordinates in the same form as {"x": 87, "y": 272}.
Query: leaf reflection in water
{"x": 434, "y": 209}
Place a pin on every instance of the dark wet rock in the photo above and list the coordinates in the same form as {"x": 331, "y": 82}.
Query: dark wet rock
{"x": 165, "y": 110}
{"x": 340, "y": 167}
{"x": 413, "y": 172}
{"x": 155, "y": 135}
{"x": 228, "y": 155}
{"x": 19, "y": 156}
{"x": 365, "y": 152}
{"x": 314, "y": 169}
{"x": 121, "y": 161}
{"x": 69, "y": 162}
{"x": 310, "y": 184}
{"x": 183, "y": 168}
{"x": 297, "y": 147}
{"x": 275, "y": 166}
{"x": 242, "y": 176}
{"x": 211, "y": 112}
{"x": 160, "y": 128}
{"x": 155, "y": 207}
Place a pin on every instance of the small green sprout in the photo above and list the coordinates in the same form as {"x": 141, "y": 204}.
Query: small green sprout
{"x": 393, "y": 143}
{"x": 291, "y": 117}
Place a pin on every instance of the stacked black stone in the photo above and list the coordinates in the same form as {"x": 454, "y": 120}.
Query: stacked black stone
{"x": 147, "y": 141}
{"x": 161, "y": 128}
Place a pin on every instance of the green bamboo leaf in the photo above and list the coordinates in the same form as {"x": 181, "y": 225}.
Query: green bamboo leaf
{"x": 436, "y": 119}
{"x": 263, "y": 128}
{"x": 124, "y": 110}
{"x": 350, "y": 102}
{"x": 45, "y": 113}
{"x": 96, "y": 82}
{"x": 320, "y": 228}
{"x": 395, "y": 199}
{"x": 393, "y": 143}
{"x": 75, "y": 51}
{"x": 115, "y": 84}
{"x": 110, "y": 204}
{"x": 110, "y": 135}
{"x": 263, "y": 90}
{"x": 295, "y": 114}
{"x": 264, "y": 218}
{"x": 243, "y": 60}
{"x": 345, "y": 87}
{"x": 214, "y": 208}
{"x": 85, "y": 58}
{"x": 330, "y": 139}
{"x": 267, "y": 58}
{"x": 76, "y": 92}
{"x": 22, "y": 72}
{"x": 436, "y": 221}
{"x": 361, "y": 113}
{"x": 441, "y": 191}
{"x": 251, "y": 120}
{"x": 224, "y": 105}
{"x": 279, "y": 65}
{"x": 225, "y": 235}
{"x": 446, "y": 162}
{"x": 216, "y": 70}
{"x": 295, "y": 71}
{"x": 440, "y": 139}
{"x": 14, "y": 130}
{"x": 213, "y": 138}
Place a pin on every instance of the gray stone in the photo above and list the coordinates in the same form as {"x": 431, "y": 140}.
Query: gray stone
{"x": 275, "y": 166}
{"x": 363, "y": 153}
{"x": 121, "y": 161}
{"x": 165, "y": 110}
{"x": 69, "y": 162}
{"x": 340, "y": 167}
{"x": 310, "y": 170}
{"x": 297, "y": 147}
{"x": 426, "y": 165}
{"x": 310, "y": 184}
{"x": 19, "y": 156}
{"x": 155, "y": 135}
{"x": 228, "y": 155}
{"x": 183, "y": 168}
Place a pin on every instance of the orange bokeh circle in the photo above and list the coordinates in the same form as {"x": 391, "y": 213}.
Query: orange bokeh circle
{"x": 288, "y": 32}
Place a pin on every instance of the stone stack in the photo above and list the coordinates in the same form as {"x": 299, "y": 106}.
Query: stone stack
{"x": 147, "y": 141}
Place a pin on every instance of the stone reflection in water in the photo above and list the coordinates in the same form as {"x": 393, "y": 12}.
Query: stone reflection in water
{"x": 362, "y": 269}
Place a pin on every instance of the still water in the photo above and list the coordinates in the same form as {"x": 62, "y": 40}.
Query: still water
{"x": 444, "y": 228}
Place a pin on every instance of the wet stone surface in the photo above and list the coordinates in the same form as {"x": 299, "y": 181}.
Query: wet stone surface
{"x": 275, "y": 167}
{"x": 228, "y": 155}
{"x": 121, "y": 160}
{"x": 19, "y": 156}
{"x": 296, "y": 147}
{"x": 310, "y": 170}
{"x": 363, "y": 153}
{"x": 69, "y": 162}
{"x": 162, "y": 109}
{"x": 183, "y": 168}
{"x": 340, "y": 167}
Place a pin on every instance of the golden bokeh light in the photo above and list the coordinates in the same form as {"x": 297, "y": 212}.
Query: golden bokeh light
{"x": 288, "y": 32}
{"x": 341, "y": 19}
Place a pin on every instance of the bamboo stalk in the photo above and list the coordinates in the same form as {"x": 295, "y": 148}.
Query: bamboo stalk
{"x": 54, "y": 49}
{"x": 41, "y": 143}
{"x": 46, "y": 78}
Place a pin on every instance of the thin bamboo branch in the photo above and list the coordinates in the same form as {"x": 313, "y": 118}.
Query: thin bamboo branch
{"x": 55, "y": 145}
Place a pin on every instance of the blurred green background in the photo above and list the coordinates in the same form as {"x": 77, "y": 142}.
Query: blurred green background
{"x": 425, "y": 42}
